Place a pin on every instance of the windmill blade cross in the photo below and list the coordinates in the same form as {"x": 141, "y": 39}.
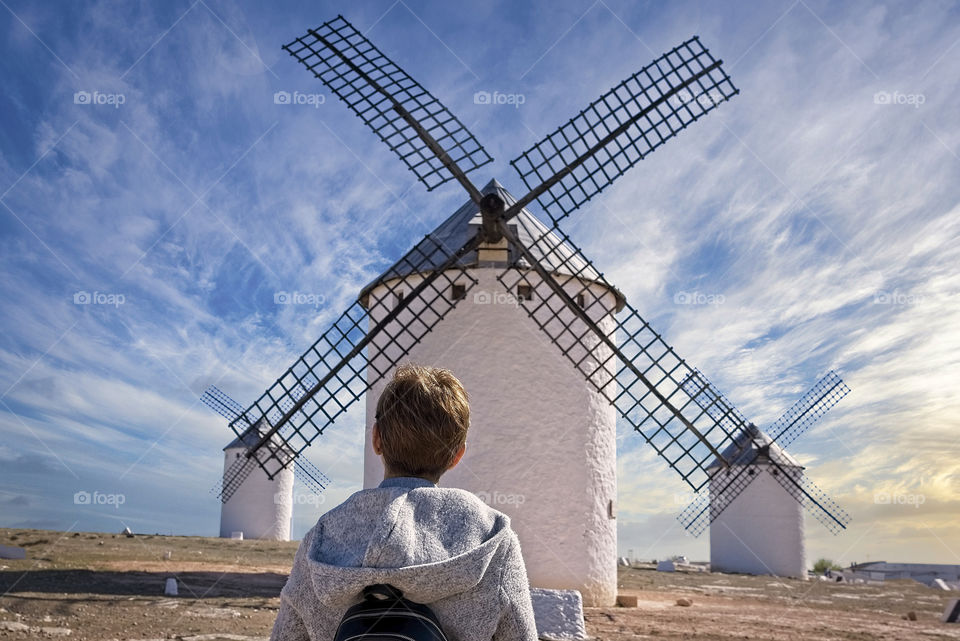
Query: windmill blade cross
{"x": 622, "y": 127}
{"x": 708, "y": 505}
{"x": 392, "y": 104}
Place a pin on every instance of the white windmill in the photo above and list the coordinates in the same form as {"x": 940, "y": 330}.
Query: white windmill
{"x": 261, "y": 507}
{"x": 550, "y": 352}
{"x": 255, "y": 505}
{"x": 541, "y": 435}
{"x": 754, "y": 503}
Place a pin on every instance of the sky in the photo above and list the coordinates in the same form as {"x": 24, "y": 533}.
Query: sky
{"x": 156, "y": 198}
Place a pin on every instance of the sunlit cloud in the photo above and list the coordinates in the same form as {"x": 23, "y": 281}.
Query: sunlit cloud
{"x": 813, "y": 222}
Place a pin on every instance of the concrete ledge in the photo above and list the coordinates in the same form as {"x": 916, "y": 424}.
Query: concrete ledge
{"x": 559, "y": 614}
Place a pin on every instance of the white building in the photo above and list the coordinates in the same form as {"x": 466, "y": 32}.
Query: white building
{"x": 761, "y": 531}
{"x": 542, "y": 441}
{"x": 925, "y": 573}
{"x": 260, "y": 508}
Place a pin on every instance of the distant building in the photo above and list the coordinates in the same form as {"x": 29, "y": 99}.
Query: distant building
{"x": 925, "y": 573}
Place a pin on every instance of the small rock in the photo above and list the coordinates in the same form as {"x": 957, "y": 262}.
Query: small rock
{"x": 684, "y": 602}
{"x": 627, "y": 600}
{"x": 14, "y": 626}
{"x": 910, "y": 616}
{"x": 56, "y": 632}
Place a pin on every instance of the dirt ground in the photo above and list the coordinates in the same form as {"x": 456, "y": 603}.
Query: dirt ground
{"x": 89, "y": 586}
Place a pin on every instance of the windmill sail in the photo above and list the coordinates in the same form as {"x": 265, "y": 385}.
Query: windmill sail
{"x": 430, "y": 140}
{"x": 648, "y": 390}
{"x": 220, "y": 403}
{"x": 308, "y": 474}
{"x": 828, "y": 391}
{"x": 824, "y": 509}
{"x": 622, "y": 127}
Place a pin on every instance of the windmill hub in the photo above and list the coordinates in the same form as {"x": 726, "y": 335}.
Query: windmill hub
{"x": 491, "y": 210}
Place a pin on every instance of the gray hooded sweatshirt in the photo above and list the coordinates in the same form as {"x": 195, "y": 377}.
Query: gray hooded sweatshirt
{"x": 440, "y": 546}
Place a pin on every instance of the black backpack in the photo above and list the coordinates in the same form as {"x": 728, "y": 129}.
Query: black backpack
{"x": 384, "y": 615}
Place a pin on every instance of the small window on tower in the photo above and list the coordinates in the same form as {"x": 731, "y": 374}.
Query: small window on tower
{"x": 524, "y": 292}
{"x": 458, "y": 292}
{"x": 398, "y": 297}
{"x": 581, "y": 300}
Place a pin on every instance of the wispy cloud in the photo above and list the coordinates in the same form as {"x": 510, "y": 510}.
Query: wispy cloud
{"x": 151, "y": 169}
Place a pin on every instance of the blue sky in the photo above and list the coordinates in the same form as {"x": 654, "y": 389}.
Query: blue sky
{"x": 817, "y": 213}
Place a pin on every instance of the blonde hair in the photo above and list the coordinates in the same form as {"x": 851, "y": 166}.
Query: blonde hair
{"x": 423, "y": 415}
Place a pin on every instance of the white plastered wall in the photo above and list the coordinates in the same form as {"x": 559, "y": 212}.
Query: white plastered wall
{"x": 260, "y": 508}
{"x": 761, "y": 531}
{"x": 542, "y": 442}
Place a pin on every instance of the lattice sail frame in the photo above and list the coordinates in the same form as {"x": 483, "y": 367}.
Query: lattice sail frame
{"x": 359, "y": 74}
{"x": 811, "y": 407}
{"x": 707, "y": 505}
{"x": 641, "y": 350}
{"x": 336, "y": 371}
{"x": 634, "y": 118}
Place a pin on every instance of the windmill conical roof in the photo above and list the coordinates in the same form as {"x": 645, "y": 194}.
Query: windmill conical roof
{"x": 558, "y": 256}
{"x": 753, "y": 445}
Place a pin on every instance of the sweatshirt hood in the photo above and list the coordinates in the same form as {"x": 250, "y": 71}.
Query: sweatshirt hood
{"x": 392, "y": 534}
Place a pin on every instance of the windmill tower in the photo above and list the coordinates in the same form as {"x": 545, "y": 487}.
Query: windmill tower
{"x": 260, "y": 507}
{"x": 761, "y": 532}
{"x": 245, "y": 489}
{"x": 757, "y": 491}
{"x": 541, "y": 435}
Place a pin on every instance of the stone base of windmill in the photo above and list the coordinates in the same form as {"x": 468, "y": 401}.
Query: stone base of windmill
{"x": 559, "y": 614}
